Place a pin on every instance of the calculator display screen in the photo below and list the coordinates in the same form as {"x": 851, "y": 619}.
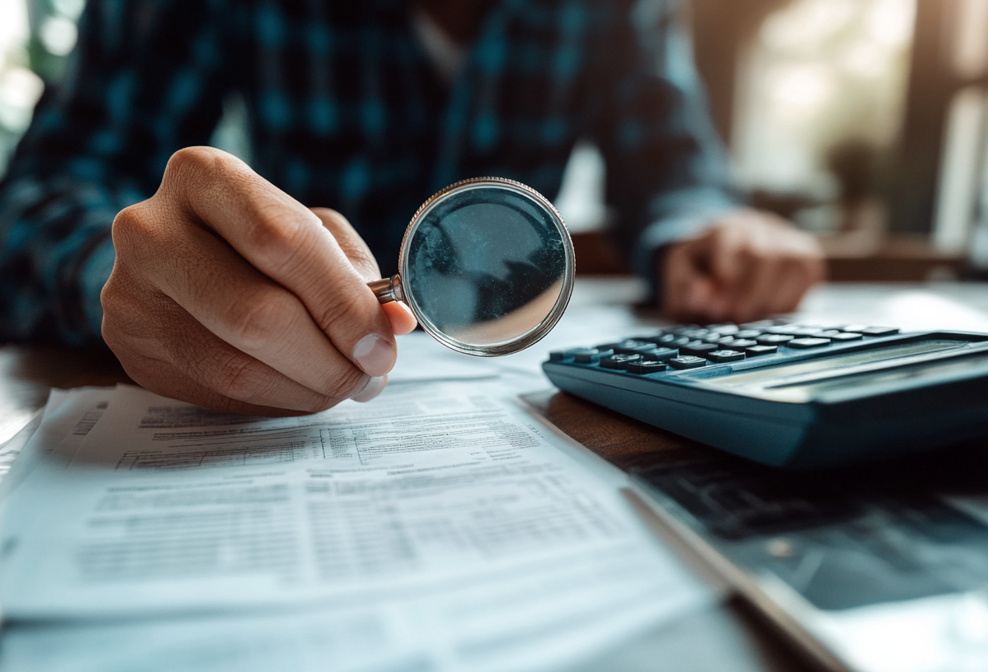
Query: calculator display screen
{"x": 806, "y": 380}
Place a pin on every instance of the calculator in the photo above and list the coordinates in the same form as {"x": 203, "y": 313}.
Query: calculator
{"x": 791, "y": 395}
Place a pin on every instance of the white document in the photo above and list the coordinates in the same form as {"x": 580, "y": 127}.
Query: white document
{"x": 65, "y": 421}
{"x": 551, "y": 618}
{"x": 166, "y": 507}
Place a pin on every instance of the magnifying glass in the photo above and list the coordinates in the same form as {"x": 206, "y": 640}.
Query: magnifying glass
{"x": 486, "y": 266}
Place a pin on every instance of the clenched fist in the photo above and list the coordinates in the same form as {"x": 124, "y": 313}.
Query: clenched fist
{"x": 748, "y": 265}
{"x": 228, "y": 293}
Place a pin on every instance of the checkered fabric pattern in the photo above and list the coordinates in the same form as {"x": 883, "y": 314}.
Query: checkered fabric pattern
{"x": 345, "y": 110}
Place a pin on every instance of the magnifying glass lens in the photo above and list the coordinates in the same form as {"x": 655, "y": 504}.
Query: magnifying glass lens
{"x": 486, "y": 266}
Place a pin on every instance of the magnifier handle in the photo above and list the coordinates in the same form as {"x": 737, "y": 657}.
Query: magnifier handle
{"x": 387, "y": 289}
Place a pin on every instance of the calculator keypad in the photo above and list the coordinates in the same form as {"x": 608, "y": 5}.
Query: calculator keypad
{"x": 688, "y": 347}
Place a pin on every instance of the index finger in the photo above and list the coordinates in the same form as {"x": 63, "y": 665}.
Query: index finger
{"x": 399, "y": 315}
{"x": 289, "y": 244}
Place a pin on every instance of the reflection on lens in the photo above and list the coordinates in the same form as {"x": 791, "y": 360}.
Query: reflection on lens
{"x": 487, "y": 264}
{"x": 511, "y": 325}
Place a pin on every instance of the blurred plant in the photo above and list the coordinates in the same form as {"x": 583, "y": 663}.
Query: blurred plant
{"x": 825, "y": 88}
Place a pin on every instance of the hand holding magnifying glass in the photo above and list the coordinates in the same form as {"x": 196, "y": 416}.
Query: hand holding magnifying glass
{"x": 486, "y": 266}
{"x": 228, "y": 293}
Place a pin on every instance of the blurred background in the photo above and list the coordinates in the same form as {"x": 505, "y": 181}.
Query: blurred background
{"x": 863, "y": 121}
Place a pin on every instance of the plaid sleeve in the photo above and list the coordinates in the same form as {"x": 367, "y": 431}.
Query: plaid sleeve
{"x": 667, "y": 171}
{"x": 140, "y": 84}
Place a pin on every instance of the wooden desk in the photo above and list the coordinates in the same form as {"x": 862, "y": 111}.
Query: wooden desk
{"x": 27, "y": 373}
{"x": 727, "y": 637}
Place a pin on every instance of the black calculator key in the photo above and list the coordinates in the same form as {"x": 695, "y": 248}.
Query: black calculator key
{"x": 655, "y": 339}
{"x": 697, "y": 348}
{"x": 660, "y": 354}
{"x": 785, "y": 330}
{"x": 739, "y": 343}
{"x": 749, "y": 333}
{"x": 687, "y": 362}
{"x": 673, "y": 340}
{"x": 619, "y": 361}
{"x": 591, "y": 355}
{"x": 843, "y": 336}
{"x": 646, "y": 366}
{"x": 635, "y": 343}
{"x": 760, "y": 325}
{"x": 692, "y": 332}
{"x": 756, "y": 350}
{"x": 721, "y": 356}
{"x": 559, "y": 355}
{"x": 633, "y": 348}
{"x": 810, "y": 342}
{"x": 774, "y": 339}
{"x": 879, "y": 331}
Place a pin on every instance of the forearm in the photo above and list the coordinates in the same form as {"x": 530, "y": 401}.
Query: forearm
{"x": 668, "y": 174}
{"x": 133, "y": 94}
{"x": 55, "y": 257}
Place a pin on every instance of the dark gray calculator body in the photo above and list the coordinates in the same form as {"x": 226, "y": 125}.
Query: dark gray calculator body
{"x": 791, "y": 396}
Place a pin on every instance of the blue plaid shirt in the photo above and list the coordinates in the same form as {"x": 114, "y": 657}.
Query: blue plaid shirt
{"x": 345, "y": 110}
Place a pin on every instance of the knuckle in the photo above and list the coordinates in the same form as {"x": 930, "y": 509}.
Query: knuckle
{"x": 122, "y": 301}
{"x": 207, "y": 170}
{"x": 342, "y": 309}
{"x": 110, "y": 298}
{"x": 720, "y": 236}
{"x": 361, "y": 258}
{"x": 275, "y": 237}
{"x": 323, "y": 404}
{"x": 110, "y": 333}
{"x": 751, "y": 257}
{"x": 192, "y": 162}
{"x": 145, "y": 371}
{"x": 242, "y": 378}
{"x": 808, "y": 270}
{"x": 130, "y": 229}
{"x": 334, "y": 218}
{"x": 345, "y": 384}
{"x": 258, "y": 317}
{"x": 318, "y": 403}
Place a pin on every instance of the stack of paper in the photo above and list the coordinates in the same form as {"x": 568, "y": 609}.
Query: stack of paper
{"x": 442, "y": 526}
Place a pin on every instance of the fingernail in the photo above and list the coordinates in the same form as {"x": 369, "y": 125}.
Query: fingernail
{"x": 374, "y": 355}
{"x": 371, "y": 389}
